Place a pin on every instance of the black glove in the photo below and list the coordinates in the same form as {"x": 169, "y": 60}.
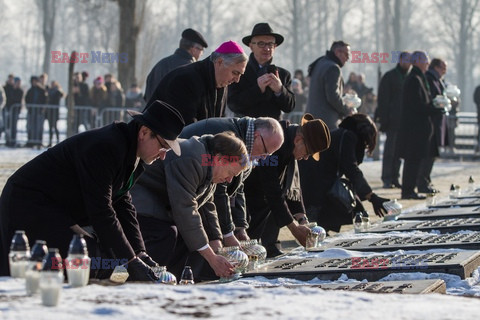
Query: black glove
{"x": 149, "y": 261}
{"x": 377, "y": 203}
{"x": 139, "y": 271}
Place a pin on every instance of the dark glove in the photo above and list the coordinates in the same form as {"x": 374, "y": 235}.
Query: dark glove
{"x": 377, "y": 203}
{"x": 149, "y": 261}
{"x": 139, "y": 271}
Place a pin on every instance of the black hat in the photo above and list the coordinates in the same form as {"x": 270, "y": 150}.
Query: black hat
{"x": 194, "y": 36}
{"x": 263, "y": 29}
{"x": 162, "y": 119}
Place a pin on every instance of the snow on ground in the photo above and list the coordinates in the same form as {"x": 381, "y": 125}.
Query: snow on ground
{"x": 244, "y": 298}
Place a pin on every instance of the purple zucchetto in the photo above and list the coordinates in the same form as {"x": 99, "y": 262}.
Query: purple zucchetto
{"x": 229, "y": 47}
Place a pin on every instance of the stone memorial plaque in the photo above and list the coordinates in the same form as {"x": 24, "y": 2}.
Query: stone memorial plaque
{"x": 457, "y": 202}
{"x": 442, "y": 225}
{"x": 407, "y": 286}
{"x": 372, "y": 268}
{"x": 441, "y": 213}
{"x": 468, "y": 195}
{"x": 467, "y": 241}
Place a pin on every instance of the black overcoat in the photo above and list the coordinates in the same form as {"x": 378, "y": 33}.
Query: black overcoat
{"x": 192, "y": 90}
{"x": 83, "y": 180}
{"x": 246, "y": 99}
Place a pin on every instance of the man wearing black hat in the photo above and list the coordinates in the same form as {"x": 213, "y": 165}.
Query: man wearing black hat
{"x": 189, "y": 50}
{"x": 83, "y": 184}
{"x": 272, "y": 191}
{"x": 265, "y": 89}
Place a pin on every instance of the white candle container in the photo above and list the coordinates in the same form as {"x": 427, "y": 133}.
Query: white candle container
{"x": 50, "y": 287}
{"x": 78, "y": 270}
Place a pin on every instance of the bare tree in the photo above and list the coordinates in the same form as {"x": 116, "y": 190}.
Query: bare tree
{"x": 129, "y": 29}
{"x": 48, "y": 9}
{"x": 460, "y": 26}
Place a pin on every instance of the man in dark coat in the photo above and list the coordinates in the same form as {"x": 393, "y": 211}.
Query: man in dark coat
{"x": 265, "y": 90}
{"x": 273, "y": 192}
{"x": 436, "y": 71}
{"x": 416, "y": 126}
{"x": 326, "y": 85}
{"x": 389, "y": 115}
{"x": 36, "y": 96}
{"x": 11, "y": 111}
{"x": 262, "y": 136}
{"x": 82, "y": 184}
{"x": 189, "y": 50}
{"x": 199, "y": 90}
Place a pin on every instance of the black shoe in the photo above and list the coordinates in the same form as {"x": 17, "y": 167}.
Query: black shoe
{"x": 397, "y": 185}
{"x": 273, "y": 251}
{"x": 428, "y": 190}
{"x": 388, "y": 186}
{"x": 413, "y": 196}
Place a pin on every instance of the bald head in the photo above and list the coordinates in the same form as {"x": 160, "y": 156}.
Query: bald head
{"x": 268, "y": 136}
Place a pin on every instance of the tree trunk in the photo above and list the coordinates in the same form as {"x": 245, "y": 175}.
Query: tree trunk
{"x": 49, "y": 8}
{"x": 129, "y": 30}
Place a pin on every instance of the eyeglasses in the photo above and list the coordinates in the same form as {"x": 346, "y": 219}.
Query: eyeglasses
{"x": 162, "y": 144}
{"x": 262, "y": 44}
{"x": 264, "y": 146}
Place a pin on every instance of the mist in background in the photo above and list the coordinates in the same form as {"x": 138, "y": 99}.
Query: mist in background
{"x": 148, "y": 30}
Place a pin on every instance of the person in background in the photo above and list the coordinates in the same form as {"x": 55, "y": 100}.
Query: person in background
{"x": 200, "y": 89}
{"x": 134, "y": 97}
{"x": 81, "y": 186}
{"x": 14, "y": 96}
{"x": 190, "y": 49}
{"x": 35, "y": 97}
{"x": 55, "y": 93}
{"x": 476, "y": 100}
{"x": 265, "y": 90}
{"x": 347, "y": 150}
{"x": 435, "y": 73}
{"x": 416, "y": 127}
{"x": 389, "y": 115}
{"x": 326, "y": 86}
{"x": 81, "y": 98}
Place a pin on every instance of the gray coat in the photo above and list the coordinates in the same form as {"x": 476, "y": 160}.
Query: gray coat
{"x": 326, "y": 91}
{"x": 173, "y": 190}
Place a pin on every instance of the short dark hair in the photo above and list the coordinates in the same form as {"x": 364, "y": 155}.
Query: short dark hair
{"x": 338, "y": 44}
{"x": 404, "y": 56}
{"x": 228, "y": 144}
{"x": 436, "y": 62}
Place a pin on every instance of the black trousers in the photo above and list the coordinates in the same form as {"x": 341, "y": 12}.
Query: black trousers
{"x": 426, "y": 166}
{"x": 411, "y": 169}
{"x": 262, "y": 225}
{"x": 166, "y": 246}
{"x": 391, "y": 162}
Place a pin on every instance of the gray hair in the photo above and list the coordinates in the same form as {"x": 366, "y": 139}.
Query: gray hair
{"x": 229, "y": 58}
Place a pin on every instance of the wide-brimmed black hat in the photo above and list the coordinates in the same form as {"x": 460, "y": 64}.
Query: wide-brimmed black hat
{"x": 263, "y": 29}
{"x": 194, "y": 36}
{"x": 315, "y": 135}
{"x": 162, "y": 119}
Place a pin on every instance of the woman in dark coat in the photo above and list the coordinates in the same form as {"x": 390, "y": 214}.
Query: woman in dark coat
{"x": 359, "y": 133}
